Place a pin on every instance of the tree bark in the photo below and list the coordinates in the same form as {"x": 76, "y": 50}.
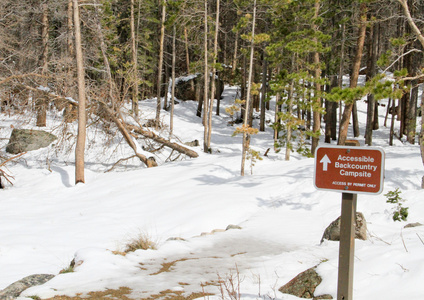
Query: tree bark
{"x": 264, "y": 91}
{"x": 160, "y": 66}
{"x": 392, "y": 123}
{"x": 253, "y": 98}
{"x": 234, "y": 64}
{"x": 355, "y": 120}
{"x": 327, "y": 120}
{"x": 80, "y": 146}
{"x": 70, "y": 27}
{"x": 174, "y": 54}
{"x": 165, "y": 96}
{"x": 69, "y": 88}
{"x": 41, "y": 102}
{"x": 411, "y": 114}
{"x": 206, "y": 79}
{"x": 403, "y": 108}
{"x": 421, "y": 136}
{"x": 277, "y": 121}
{"x": 371, "y": 71}
{"x": 135, "y": 64}
{"x": 290, "y": 116}
{"x": 389, "y": 105}
{"x": 317, "y": 98}
{"x": 344, "y": 124}
{"x": 243, "y": 81}
{"x": 246, "y": 135}
{"x": 188, "y": 58}
{"x": 45, "y": 36}
{"x": 370, "y": 119}
{"x": 331, "y": 116}
{"x": 213, "y": 85}
{"x": 341, "y": 67}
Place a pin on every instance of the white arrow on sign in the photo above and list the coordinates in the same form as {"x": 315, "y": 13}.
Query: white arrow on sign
{"x": 325, "y": 161}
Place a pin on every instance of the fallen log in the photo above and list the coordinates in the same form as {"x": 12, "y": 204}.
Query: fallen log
{"x": 148, "y": 134}
{"x": 161, "y": 140}
{"x": 149, "y": 162}
{"x": 125, "y": 130}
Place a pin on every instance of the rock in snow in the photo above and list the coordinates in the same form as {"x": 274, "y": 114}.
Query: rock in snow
{"x": 16, "y": 288}
{"x": 332, "y": 232}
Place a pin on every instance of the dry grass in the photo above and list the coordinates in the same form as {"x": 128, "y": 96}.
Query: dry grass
{"x": 166, "y": 266}
{"x": 230, "y": 286}
{"x": 116, "y": 252}
{"x": 120, "y": 293}
{"x": 69, "y": 269}
{"x": 123, "y": 292}
{"x": 176, "y": 295}
{"x": 143, "y": 241}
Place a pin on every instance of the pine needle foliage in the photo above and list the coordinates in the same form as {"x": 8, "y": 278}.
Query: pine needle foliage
{"x": 400, "y": 213}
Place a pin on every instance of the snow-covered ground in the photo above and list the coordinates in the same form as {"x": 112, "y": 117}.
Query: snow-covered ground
{"x": 46, "y": 221}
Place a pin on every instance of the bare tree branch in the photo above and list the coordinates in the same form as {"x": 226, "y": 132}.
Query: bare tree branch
{"x": 411, "y": 22}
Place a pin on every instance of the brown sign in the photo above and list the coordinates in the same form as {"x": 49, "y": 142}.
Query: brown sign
{"x": 349, "y": 169}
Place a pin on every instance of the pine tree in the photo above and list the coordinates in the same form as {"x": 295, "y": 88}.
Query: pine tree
{"x": 303, "y": 43}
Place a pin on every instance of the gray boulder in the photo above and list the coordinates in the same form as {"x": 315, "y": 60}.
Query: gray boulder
{"x": 192, "y": 87}
{"x": 304, "y": 285}
{"x": 15, "y": 289}
{"x": 412, "y": 225}
{"x": 332, "y": 232}
{"x": 22, "y": 140}
{"x": 194, "y": 143}
{"x": 231, "y": 226}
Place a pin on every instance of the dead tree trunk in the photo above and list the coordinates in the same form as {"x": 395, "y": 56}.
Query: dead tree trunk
{"x": 41, "y": 102}
{"x": 80, "y": 147}
{"x": 246, "y": 134}
{"x": 159, "y": 82}
{"x": 213, "y": 79}
{"x": 134, "y": 80}
{"x": 174, "y": 54}
{"x": 206, "y": 81}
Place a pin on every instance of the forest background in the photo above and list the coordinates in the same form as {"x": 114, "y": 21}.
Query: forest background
{"x": 95, "y": 56}
{"x": 101, "y": 64}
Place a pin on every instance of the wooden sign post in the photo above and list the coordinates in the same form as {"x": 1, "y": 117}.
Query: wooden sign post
{"x": 350, "y": 170}
{"x": 347, "y": 247}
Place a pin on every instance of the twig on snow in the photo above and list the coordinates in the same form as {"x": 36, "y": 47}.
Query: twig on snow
{"x": 403, "y": 241}
{"x": 420, "y": 238}
{"x": 118, "y": 162}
